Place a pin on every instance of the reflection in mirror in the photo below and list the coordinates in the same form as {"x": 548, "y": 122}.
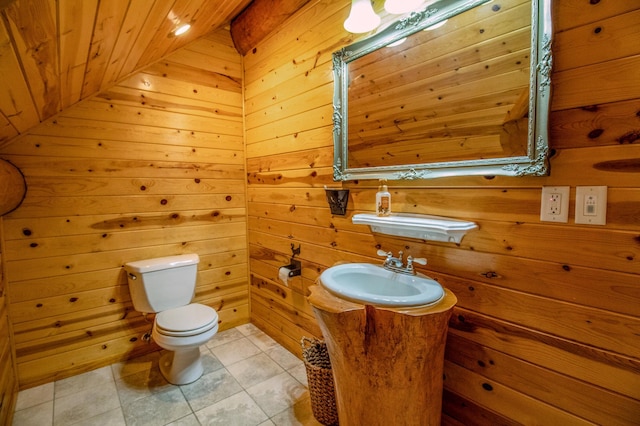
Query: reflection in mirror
{"x": 446, "y": 91}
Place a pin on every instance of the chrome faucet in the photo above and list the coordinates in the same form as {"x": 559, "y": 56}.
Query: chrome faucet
{"x": 396, "y": 264}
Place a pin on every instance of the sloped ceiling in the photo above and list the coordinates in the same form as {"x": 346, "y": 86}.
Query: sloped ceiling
{"x": 54, "y": 53}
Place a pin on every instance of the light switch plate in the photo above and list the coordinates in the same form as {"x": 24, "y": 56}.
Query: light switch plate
{"x": 554, "y": 206}
{"x": 591, "y": 205}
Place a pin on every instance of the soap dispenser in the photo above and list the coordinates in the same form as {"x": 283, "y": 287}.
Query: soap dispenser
{"x": 383, "y": 199}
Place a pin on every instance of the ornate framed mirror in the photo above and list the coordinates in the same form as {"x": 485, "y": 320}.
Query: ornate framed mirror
{"x": 461, "y": 87}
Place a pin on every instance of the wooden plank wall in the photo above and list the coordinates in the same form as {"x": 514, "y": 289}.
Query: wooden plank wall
{"x": 152, "y": 167}
{"x": 8, "y": 376}
{"x": 546, "y": 328}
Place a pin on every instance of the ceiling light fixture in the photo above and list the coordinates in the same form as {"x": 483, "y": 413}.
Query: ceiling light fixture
{"x": 182, "y": 29}
{"x": 362, "y": 18}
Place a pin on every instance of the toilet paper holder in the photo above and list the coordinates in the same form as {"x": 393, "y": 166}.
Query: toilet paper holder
{"x": 294, "y": 266}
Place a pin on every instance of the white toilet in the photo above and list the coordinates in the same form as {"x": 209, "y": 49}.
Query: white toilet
{"x": 165, "y": 286}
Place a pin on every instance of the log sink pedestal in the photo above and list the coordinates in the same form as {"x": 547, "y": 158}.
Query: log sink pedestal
{"x": 387, "y": 362}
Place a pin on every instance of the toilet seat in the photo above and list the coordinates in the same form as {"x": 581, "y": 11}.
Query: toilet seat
{"x": 188, "y": 320}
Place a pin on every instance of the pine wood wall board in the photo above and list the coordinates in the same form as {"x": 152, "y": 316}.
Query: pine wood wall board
{"x": 208, "y": 63}
{"x": 317, "y": 117}
{"x": 106, "y": 111}
{"x": 303, "y": 102}
{"x": 43, "y": 307}
{"x": 60, "y": 246}
{"x": 91, "y": 129}
{"x": 589, "y": 402}
{"x": 592, "y": 44}
{"x": 74, "y": 42}
{"x": 24, "y": 229}
{"x": 321, "y": 157}
{"x": 48, "y": 346}
{"x": 589, "y": 326}
{"x": 599, "y": 125}
{"x": 8, "y": 399}
{"x": 270, "y": 319}
{"x": 171, "y": 78}
{"x": 183, "y": 76}
{"x": 279, "y": 48}
{"x": 308, "y": 178}
{"x": 265, "y": 277}
{"x": 586, "y": 286}
{"x": 616, "y": 80}
{"x": 286, "y": 317}
{"x": 310, "y": 139}
{"x": 219, "y": 302}
{"x": 62, "y": 266}
{"x": 292, "y": 345}
{"x": 38, "y": 166}
{"x": 572, "y": 359}
{"x": 464, "y": 412}
{"x": 289, "y": 89}
{"x": 151, "y": 44}
{"x": 7, "y": 131}
{"x": 222, "y": 53}
{"x": 503, "y": 400}
{"x": 161, "y": 102}
{"x": 109, "y": 18}
{"x": 208, "y": 93}
{"x": 29, "y": 290}
{"x": 65, "y": 186}
{"x": 148, "y": 31}
{"x": 131, "y": 27}
{"x": 87, "y": 358}
{"x": 576, "y": 13}
{"x": 228, "y": 150}
{"x": 233, "y": 287}
{"x": 38, "y": 206}
{"x": 18, "y": 111}
{"x": 71, "y": 323}
{"x": 33, "y": 29}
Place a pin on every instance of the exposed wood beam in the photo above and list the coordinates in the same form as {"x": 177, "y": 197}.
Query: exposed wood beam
{"x": 259, "y": 19}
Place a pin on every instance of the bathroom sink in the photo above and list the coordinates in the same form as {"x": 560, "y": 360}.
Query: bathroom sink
{"x": 372, "y": 284}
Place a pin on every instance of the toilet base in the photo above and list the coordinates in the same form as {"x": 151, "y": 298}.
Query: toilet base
{"x": 181, "y": 367}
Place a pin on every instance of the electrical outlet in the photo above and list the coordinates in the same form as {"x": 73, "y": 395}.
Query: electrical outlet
{"x": 591, "y": 205}
{"x": 555, "y": 204}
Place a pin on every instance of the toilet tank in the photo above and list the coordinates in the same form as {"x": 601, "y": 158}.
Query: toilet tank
{"x": 162, "y": 283}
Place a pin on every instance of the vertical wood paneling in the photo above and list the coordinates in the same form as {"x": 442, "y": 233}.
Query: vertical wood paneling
{"x": 8, "y": 372}
{"x": 147, "y": 168}
{"x": 545, "y": 331}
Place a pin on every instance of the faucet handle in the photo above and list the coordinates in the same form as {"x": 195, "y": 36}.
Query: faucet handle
{"x": 383, "y": 253}
{"x": 420, "y": 260}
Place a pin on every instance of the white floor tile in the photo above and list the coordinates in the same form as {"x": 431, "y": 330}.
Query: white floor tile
{"x": 248, "y": 380}
{"x": 254, "y": 370}
{"x": 235, "y": 351}
{"x": 34, "y": 396}
{"x": 237, "y": 410}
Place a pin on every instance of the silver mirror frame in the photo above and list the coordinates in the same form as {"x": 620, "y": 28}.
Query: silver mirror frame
{"x": 535, "y": 163}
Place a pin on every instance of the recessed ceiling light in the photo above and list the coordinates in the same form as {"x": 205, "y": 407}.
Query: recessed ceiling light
{"x": 182, "y": 29}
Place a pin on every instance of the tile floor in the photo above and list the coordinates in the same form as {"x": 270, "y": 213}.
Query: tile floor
{"x": 249, "y": 379}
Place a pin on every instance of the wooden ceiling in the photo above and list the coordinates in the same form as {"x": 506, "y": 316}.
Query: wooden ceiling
{"x": 54, "y": 53}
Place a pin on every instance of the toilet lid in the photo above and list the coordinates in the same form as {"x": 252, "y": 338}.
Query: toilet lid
{"x": 186, "y": 320}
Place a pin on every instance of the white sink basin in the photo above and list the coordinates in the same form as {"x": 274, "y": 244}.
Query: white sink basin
{"x": 372, "y": 284}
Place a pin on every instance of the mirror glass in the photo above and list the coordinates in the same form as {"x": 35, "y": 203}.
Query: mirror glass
{"x": 461, "y": 87}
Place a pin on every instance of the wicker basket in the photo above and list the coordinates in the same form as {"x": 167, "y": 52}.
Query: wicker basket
{"x": 320, "y": 378}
